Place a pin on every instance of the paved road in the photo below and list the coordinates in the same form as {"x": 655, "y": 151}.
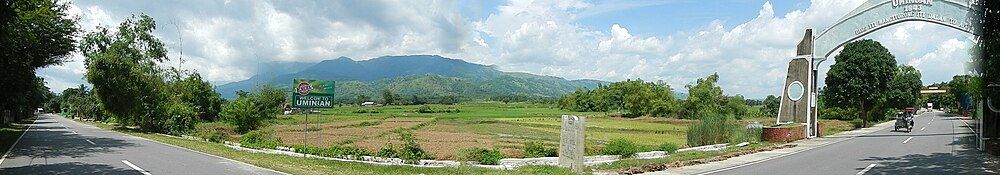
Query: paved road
{"x": 938, "y": 144}
{"x": 56, "y": 145}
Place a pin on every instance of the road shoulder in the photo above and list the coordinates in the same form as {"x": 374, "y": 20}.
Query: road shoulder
{"x": 11, "y": 134}
{"x": 750, "y": 159}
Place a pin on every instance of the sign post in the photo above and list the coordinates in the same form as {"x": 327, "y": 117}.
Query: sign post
{"x": 310, "y": 94}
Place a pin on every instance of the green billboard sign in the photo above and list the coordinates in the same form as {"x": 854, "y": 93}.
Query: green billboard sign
{"x": 312, "y": 93}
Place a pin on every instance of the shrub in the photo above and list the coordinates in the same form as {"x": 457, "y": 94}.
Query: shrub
{"x": 260, "y": 139}
{"x": 481, "y": 155}
{"x": 741, "y": 133}
{"x": 367, "y": 123}
{"x": 425, "y": 109}
{"x": 536, "y": 149}
{"x": 889, "y": 114}
{"x": 217, "y": 137}
{"x": 838, "y": 113}
{"x": 214, "y": 131}
{"x": 622, "y": 147}
{"x": 180, "y": 118}
{"x": 714, "y": 129}
{"x": 347, "y": 150}
{"x": 249, "y": 111}
{"x": 668, "y": 147}
{"x": 333, "y": 151}
{"x": 388, "y": 151}
{"x": 411, "y": 151}
{"x": 240, "y": 113}
{"x": 370, "y": 111}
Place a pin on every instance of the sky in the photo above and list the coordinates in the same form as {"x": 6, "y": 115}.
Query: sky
{"x": 747, "y": 42}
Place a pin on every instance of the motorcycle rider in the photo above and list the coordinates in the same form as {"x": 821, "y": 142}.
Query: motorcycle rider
{"x": 909, "y": 118}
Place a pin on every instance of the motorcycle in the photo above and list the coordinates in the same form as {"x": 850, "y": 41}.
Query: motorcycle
{"x": 904, "y": 120}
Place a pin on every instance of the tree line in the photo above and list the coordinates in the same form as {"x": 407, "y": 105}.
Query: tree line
{"x": 131, "y": 86}
{"x": 33, "y": 34}
{"x": 635, "y": 98}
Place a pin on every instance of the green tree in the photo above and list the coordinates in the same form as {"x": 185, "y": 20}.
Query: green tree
{"x": 904, "y": 88}
{"x": 860, "y": 77}
{"x": 705, "y": 97}
{"x": 251, "y": 111}
{"x": 241, "y": 113}
{"x": 33, "y": 34}
{"x": 415, "y": 100}
{"x": 122, "y": 67}
{"x": 269, "y": 101}
{"x": 196, "y": 93}
{"x": 967, "y": 89}
{"x": 389, "y": 98}
{"x": 771, "y": 105}
{"x": 633, "y": 97}
{"x": 82, "y": 103}
{"x": 736, "y": 105}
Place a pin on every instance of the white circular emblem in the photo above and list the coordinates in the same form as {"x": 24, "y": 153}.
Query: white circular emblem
{"x": 795, "y": 91}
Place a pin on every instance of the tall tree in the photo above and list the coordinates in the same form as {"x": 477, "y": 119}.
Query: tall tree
{"x": 904, "y": 88}
{"x": 33, "y": 34}
{"x": 860, "y": 77}
{"x": 704, "y": 97}
{"x": 122, "y": 68}
{"x": 388, "y": 97}
{"x": 191, "y": 89}
{"x": 771, "y": 105}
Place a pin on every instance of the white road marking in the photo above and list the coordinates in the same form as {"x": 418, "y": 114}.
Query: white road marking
{"x": 18, "y": 140}
{"x": 866, "y": 169}
{"x": 923, "y": 128}
{"x": 74, "y": 132}
{"x": 92, "y": 143}
{"x": 136, "y": 167}
{"x": 907, "y": 140}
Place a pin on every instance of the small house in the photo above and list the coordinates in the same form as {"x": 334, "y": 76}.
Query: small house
{"x": 369, "y": 103}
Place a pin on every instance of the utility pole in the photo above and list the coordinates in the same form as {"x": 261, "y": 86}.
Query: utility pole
{"x": 180, "y": 43}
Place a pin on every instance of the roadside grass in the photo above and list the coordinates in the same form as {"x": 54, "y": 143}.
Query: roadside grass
{"x": 300, "y": 165}
{"x": 11, "y": 132}
{"x": 676, "y": 158}
{"x": 831, "y": 127}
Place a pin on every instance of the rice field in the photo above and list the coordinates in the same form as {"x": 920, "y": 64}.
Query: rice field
{"x": 484, "y": 125}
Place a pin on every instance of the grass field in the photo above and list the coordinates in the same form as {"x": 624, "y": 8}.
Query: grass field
{"x": 490, "y": 125}
{"x": 484, "y": 125}
{"x": 301, "y": 165}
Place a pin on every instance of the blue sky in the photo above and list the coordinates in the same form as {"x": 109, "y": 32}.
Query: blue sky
{"x": 747, "y": 42}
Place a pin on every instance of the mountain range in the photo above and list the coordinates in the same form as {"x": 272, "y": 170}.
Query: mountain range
{"x": 419, "y": 75}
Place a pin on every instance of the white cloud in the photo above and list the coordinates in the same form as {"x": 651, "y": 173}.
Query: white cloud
{"x": 228, "y": 41}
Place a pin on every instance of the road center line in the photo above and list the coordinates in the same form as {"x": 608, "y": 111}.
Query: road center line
{"x": 92, "y": 143}
{"x": 907, "y": 140}
{"x": 866, "y": 169}
{"x": 136, "y": 167}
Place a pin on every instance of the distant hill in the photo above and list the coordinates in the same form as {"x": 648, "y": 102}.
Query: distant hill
{"x": 421, "y": 75}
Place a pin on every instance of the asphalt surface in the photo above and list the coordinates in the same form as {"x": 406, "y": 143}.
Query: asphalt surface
{"x": 939, "y": 144}
{"x": 56, "y": 145}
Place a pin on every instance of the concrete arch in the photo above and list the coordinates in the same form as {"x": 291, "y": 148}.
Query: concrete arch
{"x": 871, "y": 16}
{"x": 875, "y": 15}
